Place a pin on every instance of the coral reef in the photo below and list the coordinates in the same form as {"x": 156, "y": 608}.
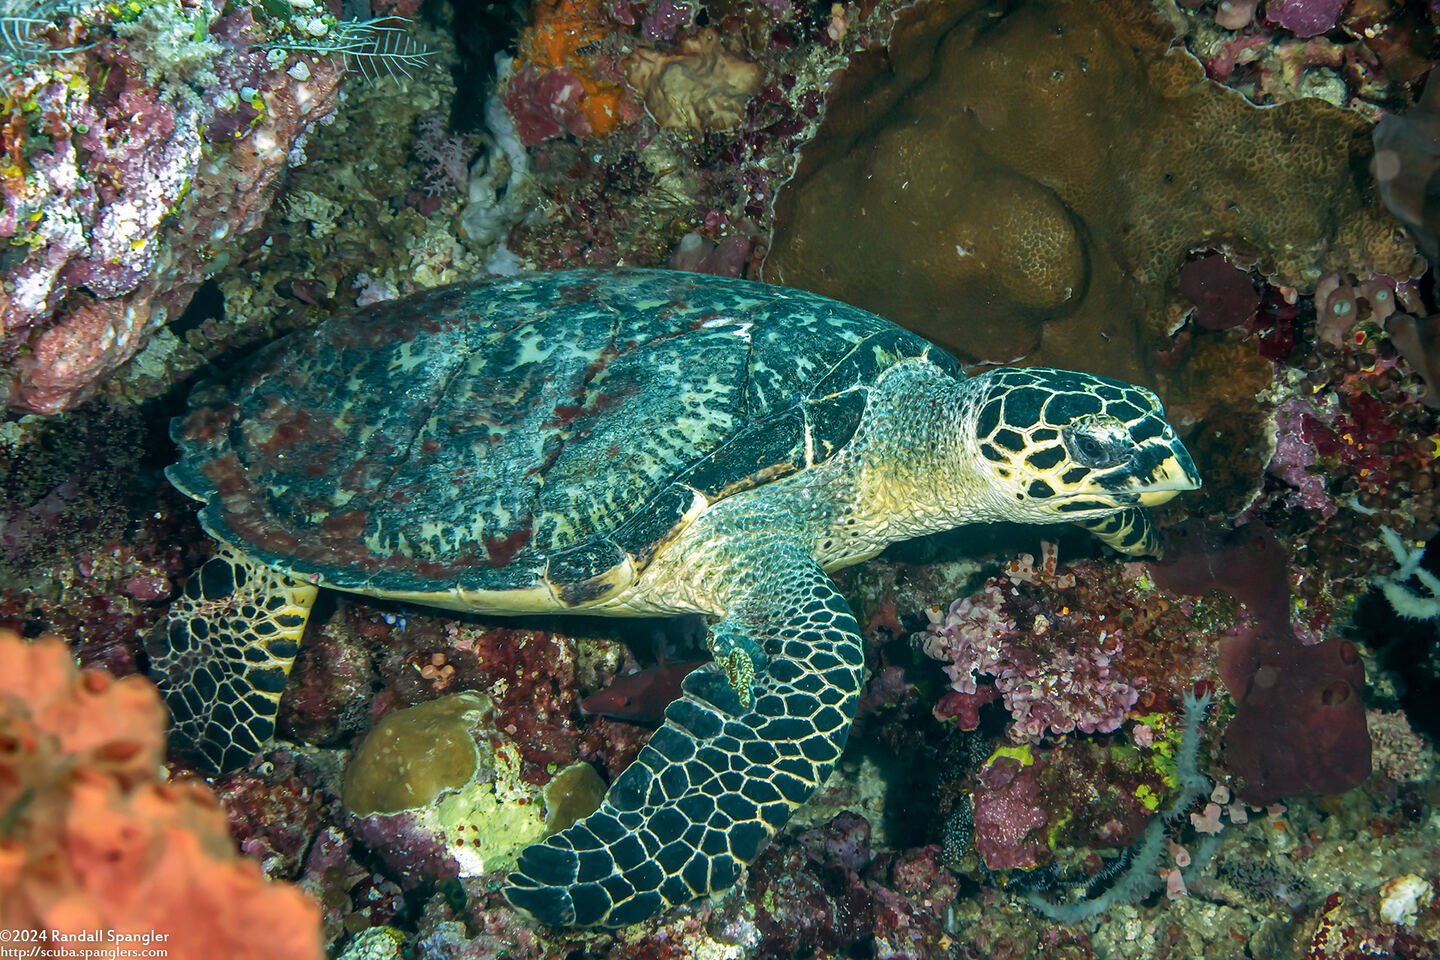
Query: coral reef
{"x": 956, "y": 822}
{"x": 572, "y": 794}
{"x": 414, "y": 757}
{"x": 1356, "y": 435}
{"x": 437, "y": 793}
{"x": 1364, "y": 62}
{"x": 1093, "y": 648}
{"x": 1071, "y": 651}
{"x": 95, "y": 842}
{"x": 1069, "y": 687}
{"x": 327, "y": 701}
{"x": 136, "y": 117}
{"x": 727, "y": 104}
{"x": 982, "y": 161}
{"x": 467, "y": 753}
{"x": 1399, "y": 752}
{"x": 92, "y": 541}
{"x": 827, "y": 888}
{"x": 1010, "y": 810}
{"x": 277, "y": 814}
{"x": 1140, "y": 876}
{"x": 560, "y": 84}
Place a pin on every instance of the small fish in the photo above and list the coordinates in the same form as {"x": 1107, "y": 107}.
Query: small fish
{"x": 642, "y": 696}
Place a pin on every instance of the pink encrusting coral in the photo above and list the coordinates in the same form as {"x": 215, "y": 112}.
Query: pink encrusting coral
{"x": 1295, "y": 455}
{"x": 1304, "y": 18}
{"x": 172, "y": 117}
{"x": 1010, "y": 810}
{"x": 1047, "y": 689}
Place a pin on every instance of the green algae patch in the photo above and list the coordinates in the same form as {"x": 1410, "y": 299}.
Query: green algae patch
{"x": 489, "y": 821}
{"x": 1021, "y": 753}
{"x": 572, "y": 794}
{"x": 415, "y": 756}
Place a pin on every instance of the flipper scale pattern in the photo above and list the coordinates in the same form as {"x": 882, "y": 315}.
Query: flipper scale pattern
{"x": 222, "y": 655}
{"x": 719, "y": 778}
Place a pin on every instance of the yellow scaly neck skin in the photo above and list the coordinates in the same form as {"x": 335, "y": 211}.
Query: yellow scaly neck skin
{"x": 911, "y": 469}
{"x": 907, "y": 472}
{"x": 1029, "y": 445}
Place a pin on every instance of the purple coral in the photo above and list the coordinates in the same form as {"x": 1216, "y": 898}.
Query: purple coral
{"x": 817, "y": 893}
{"x": 1058, "y": 690}
{"x": 1009, "y": 812}
{"x": 969, "y": 636}
{"x": 412, "y": 854}
{"x": 1304, "y": 18}
{"x": 1295, "y": 455}
{"x": 446, "y": 157}
{"x": 667, "y": 18}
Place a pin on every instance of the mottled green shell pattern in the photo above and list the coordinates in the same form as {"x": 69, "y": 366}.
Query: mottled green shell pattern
{"x": 497, "y": 435}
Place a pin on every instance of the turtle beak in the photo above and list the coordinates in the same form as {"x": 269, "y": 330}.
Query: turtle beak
{"x": 1174, "y": 474}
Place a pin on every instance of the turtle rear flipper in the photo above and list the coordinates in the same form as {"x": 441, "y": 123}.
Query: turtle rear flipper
{"x": 223, "y": 654}
{"x": 727, "y": 768}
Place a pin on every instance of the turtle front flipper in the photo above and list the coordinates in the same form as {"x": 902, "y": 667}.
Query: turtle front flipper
{"x": 1129, "y": 530}
{"x": 224, "y": 654}
{"x": 726, "y": 769}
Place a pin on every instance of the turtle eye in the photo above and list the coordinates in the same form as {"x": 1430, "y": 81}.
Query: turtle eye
{"x": 1092, "y": 448}
{"x": 1089, "y": 448}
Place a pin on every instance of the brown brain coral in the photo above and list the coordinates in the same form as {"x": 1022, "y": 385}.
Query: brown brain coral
{"x": 1013, "y": 173}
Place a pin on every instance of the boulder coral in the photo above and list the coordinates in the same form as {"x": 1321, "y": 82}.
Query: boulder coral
{"x": 95, "y": 840}
{"x": 436, "y": 793}
{"x": 1050, "y": 165}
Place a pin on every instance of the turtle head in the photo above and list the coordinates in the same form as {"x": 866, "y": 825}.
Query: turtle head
{"x": 1057, "y": 445}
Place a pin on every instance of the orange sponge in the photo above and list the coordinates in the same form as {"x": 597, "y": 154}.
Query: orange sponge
{"x": 92, "y": 840}
{"x": 563, "y": 35}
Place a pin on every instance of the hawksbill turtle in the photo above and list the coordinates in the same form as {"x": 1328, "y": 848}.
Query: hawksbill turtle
{"x": 625, "y": 442}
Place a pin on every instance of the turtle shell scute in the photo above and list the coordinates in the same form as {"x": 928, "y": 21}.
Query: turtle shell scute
{"x": 498, "y": 434}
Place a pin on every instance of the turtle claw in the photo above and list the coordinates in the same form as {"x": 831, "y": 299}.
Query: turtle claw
{"x": 739, "y": 656}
